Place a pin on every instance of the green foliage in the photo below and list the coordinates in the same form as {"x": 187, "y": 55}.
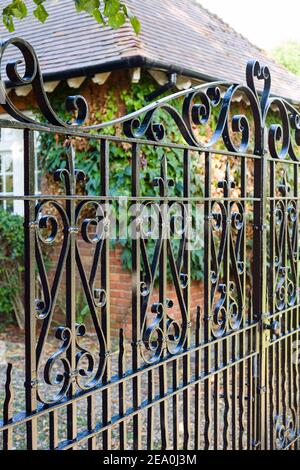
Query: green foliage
{"x": 40, "y": 12}
{"x": 288, "y": 55}
{"x": 131, "y": 99}
{"x": 11, "y": 263}
{"x": 111, "y": 12}
{"x": 82, "y": 308}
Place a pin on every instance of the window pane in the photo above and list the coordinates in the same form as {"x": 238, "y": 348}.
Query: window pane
{"x": 8, "y": 163}
{"x": 10, "y": 206}
{"x": 9, "y": 184}
{"x": 1, "y": 184}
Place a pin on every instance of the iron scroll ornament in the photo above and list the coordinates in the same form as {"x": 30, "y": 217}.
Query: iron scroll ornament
{"x": 196, "y": 110}
{"x": 32, "y": 76}
{"x": 154, "y": 337}
{"x": 57, "y": 371}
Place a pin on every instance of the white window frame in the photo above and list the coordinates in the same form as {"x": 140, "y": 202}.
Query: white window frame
{"x": 12, "y": 141}
{"x": 4, "y": 174}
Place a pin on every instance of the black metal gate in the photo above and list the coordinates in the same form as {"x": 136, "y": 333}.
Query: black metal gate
{"x": 224, "y": 377}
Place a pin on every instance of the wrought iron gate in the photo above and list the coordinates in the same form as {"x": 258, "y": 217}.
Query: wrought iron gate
{"x": 224, "y": 377}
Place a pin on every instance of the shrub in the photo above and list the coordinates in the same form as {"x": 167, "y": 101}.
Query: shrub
{"x": 11, "y": 268}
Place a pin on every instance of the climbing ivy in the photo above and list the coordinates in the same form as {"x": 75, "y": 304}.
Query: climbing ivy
{"x": 118, "y": 101}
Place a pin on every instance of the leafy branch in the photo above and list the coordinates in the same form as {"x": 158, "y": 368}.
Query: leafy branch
{"x": 113, "y": 13}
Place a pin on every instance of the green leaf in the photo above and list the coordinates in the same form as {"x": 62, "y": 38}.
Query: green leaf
{"x": 87, "y": 5}
{"x": 18, "y": 9}
{"x": 112, "y": 7}
{"x": 98, "y": 16}
{"x": 40, "y": 13}
{"x": 135, "y": 24}
{"x": 117, "y": 20}
{"x": 8, "y": 23}
{"x": 125, "y": 10}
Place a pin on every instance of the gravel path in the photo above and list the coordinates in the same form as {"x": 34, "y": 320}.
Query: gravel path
{"x": 15, "y": 354}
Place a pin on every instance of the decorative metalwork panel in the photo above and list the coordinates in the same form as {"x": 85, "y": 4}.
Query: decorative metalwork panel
{"x": 222, "y": 376}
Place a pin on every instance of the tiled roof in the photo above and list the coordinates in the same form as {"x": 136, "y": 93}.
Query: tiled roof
{"x": 178, "y": 34}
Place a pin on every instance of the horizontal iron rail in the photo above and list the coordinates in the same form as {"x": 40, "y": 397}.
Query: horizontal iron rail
{"x": 283, "y": 161}
{"x": 283, "y": 198}
{"x": 294, "y": 441}
{"x": 83, "y": 436}
{"x": 283, "y": 337}
{"x": 280, "y": 313}
{"x": 22, "y": 418}
{"x": 69, "y": 132}
{"x": 117, "y": 198}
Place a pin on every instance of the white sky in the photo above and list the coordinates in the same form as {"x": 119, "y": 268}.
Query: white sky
{"x": 267, "y": 23}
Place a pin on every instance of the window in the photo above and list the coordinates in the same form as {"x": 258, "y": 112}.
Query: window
{"x": 6, "y": 179}
{"x": 12, "y": 168}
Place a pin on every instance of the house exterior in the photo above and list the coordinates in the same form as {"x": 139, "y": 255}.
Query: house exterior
{"x": 78, "y": 56}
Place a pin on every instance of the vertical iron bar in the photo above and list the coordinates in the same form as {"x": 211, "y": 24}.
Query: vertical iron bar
{"x": 216, "y": 397}
{"x": 296, "y": 319}
{"x": 91, "y": 421}
{"x": 136, "y": 301}
{"x": 105, "y": 281}
{"x": 286, "y": 314}
{"x": 175, "y": 385}
{"x": 53, "y": 429}
{"x": 272, "y": 288}
{"x": 71, "y": 296}
{"x": 187, "y": 271}
{"x": 198, "y": 385}
{"x": 260, "y": 287}
{"x": 8, "y": 409}
{"x": 150, "y": 412}
{"x": 122, "y": 390}
{"x": 278, "y": 380}
{"x": 241, "y": 347}
{"x": 234, "y": 394}
{"x": 207, "y": 301}
{"x": 227, "y": 282}
{"x": 250, "y": 386}
{"x": 29, "y": 287}
{"x": 163, "y": 260}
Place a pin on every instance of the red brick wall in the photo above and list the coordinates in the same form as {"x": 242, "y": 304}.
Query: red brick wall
{"x": 120, "y": 289}
{"x": 120, "y": 282}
